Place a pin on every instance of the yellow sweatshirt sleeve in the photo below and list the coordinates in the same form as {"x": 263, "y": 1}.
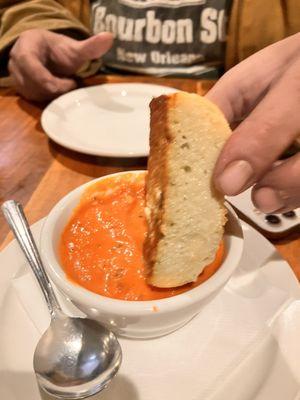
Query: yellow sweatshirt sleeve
{"x": 19, "y": 16}
{"x": 255, "y": 24}
{"x": 43, "y": 14}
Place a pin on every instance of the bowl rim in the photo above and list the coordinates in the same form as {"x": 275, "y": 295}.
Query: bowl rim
{"x": 79, "y": 294}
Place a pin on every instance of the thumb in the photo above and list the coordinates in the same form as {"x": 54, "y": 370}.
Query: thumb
{"x": 94, "y": 47}
{"x": 262, "y": 137}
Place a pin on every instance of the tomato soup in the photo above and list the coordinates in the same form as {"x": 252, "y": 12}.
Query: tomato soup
{"x": 101, "y": 248}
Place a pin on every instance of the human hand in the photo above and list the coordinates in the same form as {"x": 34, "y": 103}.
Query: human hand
{"x": 42, "y": 62}
{"x": 262, "y": 96}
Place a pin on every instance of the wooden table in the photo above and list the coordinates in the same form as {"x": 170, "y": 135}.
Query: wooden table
{"x": 38, "y": 172}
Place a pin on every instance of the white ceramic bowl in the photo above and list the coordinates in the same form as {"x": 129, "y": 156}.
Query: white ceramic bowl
{"x": 135, "y": 319}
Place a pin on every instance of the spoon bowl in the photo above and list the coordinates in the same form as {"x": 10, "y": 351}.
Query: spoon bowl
{"x": 76, "y": 357}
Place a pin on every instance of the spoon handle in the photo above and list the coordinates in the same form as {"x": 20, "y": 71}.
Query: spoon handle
{"x": 15, "y": 217}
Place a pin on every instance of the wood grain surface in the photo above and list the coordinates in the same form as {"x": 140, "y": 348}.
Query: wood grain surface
{"x": 37, "y": 172}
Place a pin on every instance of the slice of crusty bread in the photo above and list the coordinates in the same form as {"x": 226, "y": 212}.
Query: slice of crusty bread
{"x": 185, "y": 214}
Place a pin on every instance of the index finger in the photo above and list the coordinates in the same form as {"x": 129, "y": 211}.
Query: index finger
{"x": 242, "y": 87}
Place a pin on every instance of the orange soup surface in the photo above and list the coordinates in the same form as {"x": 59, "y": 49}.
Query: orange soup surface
{"x": 101, "y": 248}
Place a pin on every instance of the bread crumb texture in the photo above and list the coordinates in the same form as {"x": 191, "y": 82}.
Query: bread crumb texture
{"x": 185, "y": 214}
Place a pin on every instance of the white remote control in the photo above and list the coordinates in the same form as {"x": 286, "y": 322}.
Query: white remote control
{"x": 271, "y": 225}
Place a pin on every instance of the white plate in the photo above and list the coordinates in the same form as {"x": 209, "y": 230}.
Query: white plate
{"x": 243, "y": 346}
{"x": 105, "y": 120}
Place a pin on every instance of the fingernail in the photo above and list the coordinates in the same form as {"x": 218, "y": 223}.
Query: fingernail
{"x": 51, "y": 87}
{"x": 267, "y": 200}
{"x": 235, "y": 177}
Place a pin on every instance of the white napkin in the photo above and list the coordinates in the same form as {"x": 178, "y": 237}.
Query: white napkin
{"x": 229, "y": 348}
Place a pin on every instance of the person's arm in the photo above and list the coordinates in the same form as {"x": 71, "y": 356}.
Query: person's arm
{"x": 44, "y": 53}
{"x": 34, "y": 14}
{"x": 261, "y": 95}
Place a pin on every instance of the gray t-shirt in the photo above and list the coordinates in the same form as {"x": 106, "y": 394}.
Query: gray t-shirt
{"x": 163, "y": 37}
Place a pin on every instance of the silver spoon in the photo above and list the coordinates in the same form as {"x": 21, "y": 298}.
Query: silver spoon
{"x": 76, "y": 357}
